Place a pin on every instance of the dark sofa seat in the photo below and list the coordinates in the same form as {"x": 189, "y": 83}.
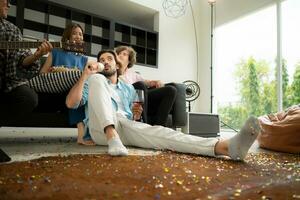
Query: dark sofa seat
{"x": 51, "y": 112}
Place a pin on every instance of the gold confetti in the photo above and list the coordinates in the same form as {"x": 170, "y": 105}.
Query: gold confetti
{"x": 179, "y": 182}
{"x": 265, "y": 198}
{"x": 207, "y": 179}
{"x": 295, "y": 196}
{"x": 159, "y": 185}
{"x": 186, "y": 189}
{"x": 116, "y": 195}
{"x": 238, "y": 190}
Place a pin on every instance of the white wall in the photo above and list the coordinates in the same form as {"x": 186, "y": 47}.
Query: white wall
{"x": 177, "y": 49}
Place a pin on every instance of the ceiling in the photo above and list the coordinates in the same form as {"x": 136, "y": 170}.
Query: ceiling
{"x": 120, "y": 10}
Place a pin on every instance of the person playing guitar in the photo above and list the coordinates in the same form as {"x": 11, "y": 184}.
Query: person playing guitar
{"x": 16, "y": 67}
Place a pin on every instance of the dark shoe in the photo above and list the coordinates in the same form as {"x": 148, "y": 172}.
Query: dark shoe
{"x": 4, "y": 157}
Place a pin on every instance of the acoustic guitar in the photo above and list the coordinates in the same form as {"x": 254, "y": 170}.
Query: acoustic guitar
{"x": 67, "y": 46}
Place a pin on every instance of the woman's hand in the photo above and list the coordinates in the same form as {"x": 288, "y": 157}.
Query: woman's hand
{"x": 155, "y": 83}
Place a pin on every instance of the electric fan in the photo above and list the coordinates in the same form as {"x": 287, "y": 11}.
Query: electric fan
{"x": 192, "y": 92}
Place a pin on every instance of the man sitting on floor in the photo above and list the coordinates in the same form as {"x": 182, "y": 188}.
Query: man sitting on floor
{"x": 110, "y": 110}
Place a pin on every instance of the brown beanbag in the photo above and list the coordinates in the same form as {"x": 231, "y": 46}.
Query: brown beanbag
{"x": 281, "y": 131}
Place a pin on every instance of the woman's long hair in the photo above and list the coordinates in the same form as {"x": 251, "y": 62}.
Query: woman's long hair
{"x": 68, "y": 31}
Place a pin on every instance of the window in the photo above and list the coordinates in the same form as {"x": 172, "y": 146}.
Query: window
{"x": 245, "y": 67}
{"x": 291, "y": 52}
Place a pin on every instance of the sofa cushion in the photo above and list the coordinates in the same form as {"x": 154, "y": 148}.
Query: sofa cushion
{"x": 55, "y": 82}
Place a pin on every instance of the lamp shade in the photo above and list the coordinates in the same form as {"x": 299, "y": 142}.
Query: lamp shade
{"x": 212, "y": 1}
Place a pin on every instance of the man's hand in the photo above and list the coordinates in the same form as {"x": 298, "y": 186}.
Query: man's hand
{"x": 43, "y": 49}
{"x": 91, "y": 67}
{"x": 137, "y": 111}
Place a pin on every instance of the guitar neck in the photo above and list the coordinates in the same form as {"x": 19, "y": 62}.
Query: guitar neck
{"x": 25, "y": 44}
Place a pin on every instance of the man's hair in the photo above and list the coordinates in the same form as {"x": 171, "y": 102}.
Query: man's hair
{"x": 68, "y": 31}
{"x": 132, "y": 54}
{"x": 110, "y": 52}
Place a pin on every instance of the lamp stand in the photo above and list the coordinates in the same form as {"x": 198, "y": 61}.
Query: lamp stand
{"x": 211, "y": 53}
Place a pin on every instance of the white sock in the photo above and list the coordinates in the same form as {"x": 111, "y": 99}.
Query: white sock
{"x": 116, "y": 147}
{"x": 240, "y": 144}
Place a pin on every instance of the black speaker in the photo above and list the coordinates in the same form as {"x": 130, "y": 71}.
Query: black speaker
{"x": 202, "y": 124}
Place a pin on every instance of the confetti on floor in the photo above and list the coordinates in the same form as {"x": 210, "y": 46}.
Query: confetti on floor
{"x": 164, "y": 176}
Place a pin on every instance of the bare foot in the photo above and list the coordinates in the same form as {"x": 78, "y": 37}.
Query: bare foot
{"x": 81, "y": 141}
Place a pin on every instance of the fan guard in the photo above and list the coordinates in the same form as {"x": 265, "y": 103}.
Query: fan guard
{"x": 192, "y": 92}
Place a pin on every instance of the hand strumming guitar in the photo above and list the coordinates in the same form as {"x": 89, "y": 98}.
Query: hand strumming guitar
{"x": 43, "y": 49}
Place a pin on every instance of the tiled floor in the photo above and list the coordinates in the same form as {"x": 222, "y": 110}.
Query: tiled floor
{"x": 30, "y": 143}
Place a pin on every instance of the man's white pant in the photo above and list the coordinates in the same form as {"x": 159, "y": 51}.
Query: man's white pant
{"x": 102, "y": 114}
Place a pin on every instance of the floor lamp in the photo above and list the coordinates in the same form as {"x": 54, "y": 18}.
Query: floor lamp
{"x": 211, "y": 3}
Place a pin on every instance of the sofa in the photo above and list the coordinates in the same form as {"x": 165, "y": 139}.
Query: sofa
{"x": 52, "y": 112}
